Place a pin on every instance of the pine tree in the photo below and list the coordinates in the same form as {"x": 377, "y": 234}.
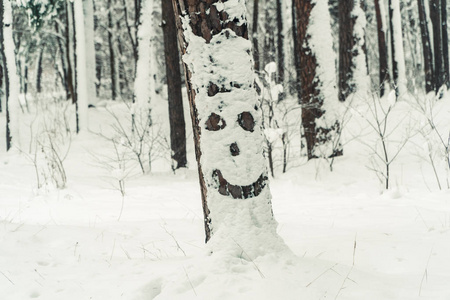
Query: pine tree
{"x": 318, "y": 86}
{"x": 226, "y": 124}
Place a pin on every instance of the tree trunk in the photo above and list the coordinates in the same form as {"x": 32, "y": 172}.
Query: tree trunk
{"x": 11, "y": 83}
{"x": 112, "y": 55}
{"x": 382, "y": 49}
{"x": 1, "y": 68}
{"x": 71, "y": 66}
{"x": 426, "y": 47}
{"x": 280, "y": 42}
{"x": 309, "y": 91}
{"x": 64, "y": 64}
{"x": 435, "y": 16}
{"x": 6, "y": 76}
{"x": 226, "y": 125}
{"x": 255, "y": 39}
{"x": 88, "y": 10}
{"x": 173, "y": 76}
{"x": 445, "y": 42}
{"x": 313, "y": 87}
{"x": 346, "y": 45}
{"x": 297, "y": 46}
{"x": 393, "y": 49}
{"x": 39, "y": 70}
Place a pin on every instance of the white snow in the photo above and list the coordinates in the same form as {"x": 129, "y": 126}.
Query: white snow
{"x": 350, "y": 240}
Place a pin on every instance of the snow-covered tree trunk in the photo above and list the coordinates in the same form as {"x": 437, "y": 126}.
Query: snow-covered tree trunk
{"x": 226, "y": 124}
{"x": 426, "y": 47}
{"x": 113, "y": 65}
{"x": 144, "y": 85}
{"x": 397, "y": 52}
{"x": 88, "y": 9}
{"x": 10, "y": 72}
{"x": 81, "y": 73}
{"x": 382, "y": 46}
{"x": 353, "y": 73}
{"x": 319, "y": 99}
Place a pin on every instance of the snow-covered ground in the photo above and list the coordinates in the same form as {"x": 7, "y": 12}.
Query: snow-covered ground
{"x": 349, "y": 239}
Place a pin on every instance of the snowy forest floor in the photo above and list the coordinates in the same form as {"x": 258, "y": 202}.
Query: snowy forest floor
{"x": 350, "y": 240}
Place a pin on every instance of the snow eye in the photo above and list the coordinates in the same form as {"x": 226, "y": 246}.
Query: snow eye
{"x": 246, "y": 121}
{"x": 215, "y": 122}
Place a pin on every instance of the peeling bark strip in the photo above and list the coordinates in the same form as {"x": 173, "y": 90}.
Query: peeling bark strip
{"x": 213, "y": 37}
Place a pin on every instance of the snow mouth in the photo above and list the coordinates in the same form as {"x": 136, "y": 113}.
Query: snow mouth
{"x": 238, "y": 191}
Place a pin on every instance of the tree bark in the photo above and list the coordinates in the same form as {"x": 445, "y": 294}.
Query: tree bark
{"x": 382, "y": 49}
{"x": 435, "y": 16}
{"x": 1, "y": 73}
{"x": 280, "y": 42}
{"x": 255, "y": 39}
{"x": 112, "y": 55}
{"x": 445, "y": 42}
{"x": 393, "y": 49}
{"x": 346, "y": 47}
{"x": 297, "y": 46}
{"x": 6, "y": 75}
{"x": 39, "y": 71}
{"x": 426, "y": 47}
{"x": 173, "y": 76}
{"x": 309, "y": 91}
{"x": 226, "y": 121}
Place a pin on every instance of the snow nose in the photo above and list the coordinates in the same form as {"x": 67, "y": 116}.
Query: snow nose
{"x": 234, "y": 149}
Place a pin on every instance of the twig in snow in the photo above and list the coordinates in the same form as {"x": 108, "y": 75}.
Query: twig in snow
{"x": 187, "y": 276}
{"x": 112, "y": 251}
{"x": 423, "y": 220}
{"x": 425, "y": 273}
{"x": 75, "y": 250}
{"x": 321, "y": 274}
{"x": 351, "y": 269}
{"x": 176, "y": 241}
{"x": 39, "y": 274}
{"x": 251, "y": 260}
{"x": 7, "y": 278}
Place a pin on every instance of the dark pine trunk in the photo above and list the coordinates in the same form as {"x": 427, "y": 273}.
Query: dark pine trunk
{"x": 63, "y": 58}
{"x": 175, "y": 98}
{"x": 255, "y": 35}
{"x": 70, "y": 71}
{"x": 435, "y": 15}
{"x": 39, "y": 71}
{"x": 394, "y": 61}
{"x": 382, "y": 49}
{"x": 1, "y": 80}
{"x": 346, "y": 45}
{"x": 309, "y": 98}
{"x": 280, "y": 42}
{"x": 426, "y": 47}
{"x": 6, "y": 77}
{"x": 445, "y": 41}
{"x": 112, "y": 57}
{"x": 297, "y": 46}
